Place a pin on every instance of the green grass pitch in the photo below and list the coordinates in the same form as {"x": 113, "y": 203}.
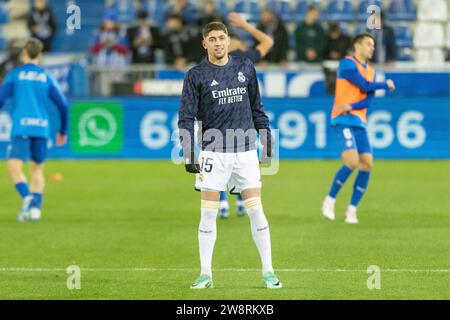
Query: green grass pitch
{"x": 132, "y": 229}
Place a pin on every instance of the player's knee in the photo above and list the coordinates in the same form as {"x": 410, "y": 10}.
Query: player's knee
{"x": 37, "y": 168}
{"x": 352, "y": 164}
{"x": 366, "y": 165}
{"x": 15, "y": 169}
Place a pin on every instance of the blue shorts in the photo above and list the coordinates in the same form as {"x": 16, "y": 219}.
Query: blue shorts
{"x": 24, "y": 148}
{"x": 352, "y": 138}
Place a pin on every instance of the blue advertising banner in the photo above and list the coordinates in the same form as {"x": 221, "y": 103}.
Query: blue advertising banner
{"x": 143, "y": 128}
{"x": 303, "y": 84}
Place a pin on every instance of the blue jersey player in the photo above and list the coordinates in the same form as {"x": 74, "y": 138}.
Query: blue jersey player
{"x": 32, "y": 90}
{"x": 222, "y": 94}
{"x": 239, "y": 48}
{"x": 355, "y": 89}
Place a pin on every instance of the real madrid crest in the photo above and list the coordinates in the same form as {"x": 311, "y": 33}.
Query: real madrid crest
{"x": 241, "y": 77}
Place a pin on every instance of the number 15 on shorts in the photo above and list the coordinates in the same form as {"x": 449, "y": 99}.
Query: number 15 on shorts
{"x": 206, "y": 164}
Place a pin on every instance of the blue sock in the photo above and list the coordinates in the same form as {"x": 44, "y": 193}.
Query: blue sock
{"x": 360, "y": 186}
{"x": 239, "y": 197}
{"x": 37, "y": 200}
{"x": 22, "y": 189}
{"x": 223, "y": 196}
{"x": 339, "y": 180}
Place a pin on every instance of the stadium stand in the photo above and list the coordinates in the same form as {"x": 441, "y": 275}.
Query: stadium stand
{"x": 249, "y": 8}
{"x": 421, "y": 26}
{"x": 282, "y": 8}
{"x": 402, "y": 10}
{"x": 340, "y": 10}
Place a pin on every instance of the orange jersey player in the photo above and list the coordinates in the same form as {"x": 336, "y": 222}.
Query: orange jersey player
{"x": 355, "y": 89}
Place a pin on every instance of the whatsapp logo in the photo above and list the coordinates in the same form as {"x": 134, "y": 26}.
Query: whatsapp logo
{"x": 97, "y": 127}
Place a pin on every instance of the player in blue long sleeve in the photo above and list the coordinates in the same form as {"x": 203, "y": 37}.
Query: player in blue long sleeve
{"x": 32, "y": 91}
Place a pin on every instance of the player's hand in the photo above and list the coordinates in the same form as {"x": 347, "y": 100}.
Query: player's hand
{"x": 236, "y": 20}
{"x": 390, "y": 85}
{"x": 61, "y": 139}
{"x": 266, "y": 155}
{"x": 190, "y": 165}
{"x": 343, "y": 108}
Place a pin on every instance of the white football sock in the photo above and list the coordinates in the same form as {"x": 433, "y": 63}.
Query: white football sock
{"x": 207, "y": 234}
{"x": 224, "y": 204}
{"x": 260, "y": 232}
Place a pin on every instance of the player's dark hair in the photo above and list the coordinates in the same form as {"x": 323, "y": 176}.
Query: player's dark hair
{"x": 312, "y": 8}
{"x": 360, "y": 37}
{"x": 34, "y": 48}
{"x": 142, "y": 14}
{"x": 214, "y": 26}
{"x": 175, "y": 16}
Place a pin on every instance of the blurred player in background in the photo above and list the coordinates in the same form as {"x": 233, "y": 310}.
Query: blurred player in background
{"x": 239, "y": 48}
{"x": 355, "y": 89}
{"x": 222, "y": 94}
{"x": 32, "y": 90}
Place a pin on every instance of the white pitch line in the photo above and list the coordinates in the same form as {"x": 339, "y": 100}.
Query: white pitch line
{"x": 319, "y": 270}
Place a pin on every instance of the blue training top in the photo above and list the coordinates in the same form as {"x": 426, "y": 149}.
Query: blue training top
{"x": 32, "y": 90}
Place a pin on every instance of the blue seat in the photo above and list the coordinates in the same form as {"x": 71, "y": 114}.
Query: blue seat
{"x": 340, "y": 10}
{"x": 402, "y": 10}
{"x": 222, "y": 7}
{"x": 362, "y": 14}
{"x": 126, "y": 10}
{"x": 78, "y": 41}
{"x": 3, "y": 43}
{"x": 302, "y": 7}
{"x": 4, "y": 15}
{"x": 282, "y": 9}
{"x": 404, "y": 54}
{"x": 404, "y": 36}
{"x": 250, "y": 8}
{"x": 157, "y": 11}
{"x": 3, "y": 40}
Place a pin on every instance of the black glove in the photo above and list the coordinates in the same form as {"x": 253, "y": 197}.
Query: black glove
{"x": 190, "y": 165}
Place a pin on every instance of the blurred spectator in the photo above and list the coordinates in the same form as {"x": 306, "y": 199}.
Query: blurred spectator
{"x": 239, "y": 47}
{"x": 182, "y": 44}
{"x": 386, "y": 47}
{"x": 272, "y": 25}
{"x": 209, "y": 13}
{"x": 310, "y": 37}
{"x": 41, "y": 23}
{"x": 110, "y": 44}
{"x": 144, "y": 39}
{"x": 12, "y": 58}
{"x": 337, "y": 45}
{"x": 186, "y": 10}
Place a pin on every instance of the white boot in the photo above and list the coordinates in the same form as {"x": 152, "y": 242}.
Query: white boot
{"x": 328, "y": 208}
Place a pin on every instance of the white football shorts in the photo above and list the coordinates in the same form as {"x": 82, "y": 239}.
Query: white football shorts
{"x": 235, "y": 171}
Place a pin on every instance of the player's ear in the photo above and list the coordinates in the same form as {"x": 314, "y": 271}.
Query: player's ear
{"x": 204, "y": 44}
